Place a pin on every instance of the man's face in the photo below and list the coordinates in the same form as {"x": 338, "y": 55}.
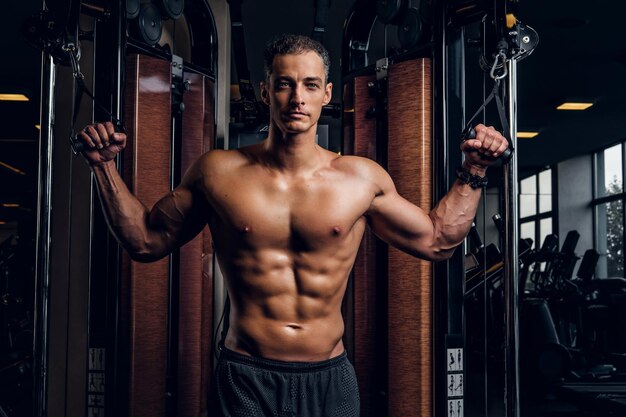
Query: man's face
{"x": 296, "y": 92}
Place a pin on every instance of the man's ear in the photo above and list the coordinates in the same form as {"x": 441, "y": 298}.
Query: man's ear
{"x": 328, "y": 93}
{"x": 264, "y": 93}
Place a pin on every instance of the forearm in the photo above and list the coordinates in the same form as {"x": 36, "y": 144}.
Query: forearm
{"x": 126, "y": 216}
{"x": 452, "y": 217}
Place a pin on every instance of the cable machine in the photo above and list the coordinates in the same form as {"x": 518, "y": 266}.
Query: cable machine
{"x": 379, "y": 36}
{"x": 110, "y": 337}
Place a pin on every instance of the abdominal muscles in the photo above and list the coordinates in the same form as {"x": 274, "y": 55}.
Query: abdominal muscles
{"x": 286, "y": 305}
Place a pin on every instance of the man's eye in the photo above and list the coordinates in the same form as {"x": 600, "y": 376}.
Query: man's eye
{"x": 312, "y": 85}
{"x": 282, "y": 84}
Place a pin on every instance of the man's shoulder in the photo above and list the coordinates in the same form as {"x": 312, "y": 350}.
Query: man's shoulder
{"x": 220, "y": 160}
{"x": 359, "y": 166}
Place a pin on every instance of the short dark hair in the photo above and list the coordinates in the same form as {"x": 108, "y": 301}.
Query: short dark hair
{"x": 294, "y": 44}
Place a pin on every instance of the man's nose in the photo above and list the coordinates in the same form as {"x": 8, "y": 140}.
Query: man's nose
{"x": 296, "y": 96}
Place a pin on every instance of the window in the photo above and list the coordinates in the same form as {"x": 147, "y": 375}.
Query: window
{"x": 536, "y": 202}
{"x": 608, "y": 206}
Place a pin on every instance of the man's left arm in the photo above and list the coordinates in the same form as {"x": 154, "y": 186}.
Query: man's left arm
{"x": 435, "y": 235}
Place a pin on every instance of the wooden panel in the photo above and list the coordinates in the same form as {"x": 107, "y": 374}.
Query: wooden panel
{"x": 366, "y": 363}
{"x": 410, "y": 279}
{"x": 195, "y": 275}
{"x": 145, "y": 286}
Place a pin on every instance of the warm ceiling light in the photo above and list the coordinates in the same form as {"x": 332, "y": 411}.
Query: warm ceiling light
{"x": 12, "y": 168}
{"x": 13, "y": 97}
{"x": 3, "y": 222}
{"x": 38, "y": 127}
{"x": 574, "y": 106}
{"x": 10, "y": 205}
{"x": 527, "y": 135}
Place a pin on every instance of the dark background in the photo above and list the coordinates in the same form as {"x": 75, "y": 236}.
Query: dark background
{"x": 581, "y": 55}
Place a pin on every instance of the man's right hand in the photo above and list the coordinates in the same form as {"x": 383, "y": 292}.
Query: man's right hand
{"x": 102, "y": 143}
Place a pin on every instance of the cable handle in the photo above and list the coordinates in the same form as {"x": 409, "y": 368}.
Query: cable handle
{"x": 504, "y": 157}
{"x": 78, "y": 146}
{"x": 470, "y": 133}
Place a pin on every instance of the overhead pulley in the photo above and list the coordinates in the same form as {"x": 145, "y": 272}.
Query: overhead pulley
{"x": 410, "y": 28}
{"x": 149, "y": 24}
{"x": 172, "y": 9}
{"x": 132, "y": 8}
{"x": 390, "y": 11}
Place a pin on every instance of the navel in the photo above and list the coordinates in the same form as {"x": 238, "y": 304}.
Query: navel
{"x": 336, "y": 230}
{"x": 247, "y": 229}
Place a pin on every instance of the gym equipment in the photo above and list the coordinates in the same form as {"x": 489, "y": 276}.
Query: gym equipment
{"x": 410, "y": 283}
{"x": 369, "y": 286}
{"x": 132, "y": 8}
{"x": 172, "y": 9}
{"x": 321, "y": 17}
{"x": 179, "y": 296}
{"x": 410, "y": 28}
{"x": 149, "y": 26}
{"x": 392, "y": 317}
{"x": 390, "y": 11}
{"x": 470, "y": 133}
{"x": 587, "y": 266}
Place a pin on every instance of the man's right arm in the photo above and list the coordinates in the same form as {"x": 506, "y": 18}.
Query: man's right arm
{"x": 146, "y": 234}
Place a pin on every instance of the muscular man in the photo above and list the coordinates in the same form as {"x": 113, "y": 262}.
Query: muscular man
{"x": 286, "y": 217}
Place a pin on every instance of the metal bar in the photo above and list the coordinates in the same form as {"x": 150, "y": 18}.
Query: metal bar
{"x": 42, "y": 276}
{"x": 511, "y": 257}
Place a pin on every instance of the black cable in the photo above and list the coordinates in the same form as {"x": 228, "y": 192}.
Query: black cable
{"x": 485, "y": 353}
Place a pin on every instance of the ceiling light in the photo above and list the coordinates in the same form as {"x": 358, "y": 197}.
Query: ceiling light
{"x": 10, "y": 205}
{"x": 12, "y": 168}
{"x": 13, "y": 97}
{"x": 572, "y": 105}
{"x": 38, "y": 127}
{"x": 527, "y": 135}
{"x": 3, "y": 222}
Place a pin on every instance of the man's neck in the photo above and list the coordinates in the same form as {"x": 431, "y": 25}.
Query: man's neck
{"x": 297, "y": 153}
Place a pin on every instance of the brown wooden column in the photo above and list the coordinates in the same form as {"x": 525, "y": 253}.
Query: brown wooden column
{"x": 196, "y": 278}
{"x": 145, "y": 286}
{"x": 410, "y": 280}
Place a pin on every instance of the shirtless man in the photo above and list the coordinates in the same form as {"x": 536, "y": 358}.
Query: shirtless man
{"x": 286, "y": 217}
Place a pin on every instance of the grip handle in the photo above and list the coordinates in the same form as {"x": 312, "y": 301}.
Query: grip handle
{"x": 78, "y": 146}
{"x": 504, "y": 157}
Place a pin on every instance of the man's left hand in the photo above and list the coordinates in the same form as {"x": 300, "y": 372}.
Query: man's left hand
{"x": 485, "y": 149}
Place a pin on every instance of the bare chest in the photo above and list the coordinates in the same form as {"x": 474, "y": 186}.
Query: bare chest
{"x": 265, "y": 211}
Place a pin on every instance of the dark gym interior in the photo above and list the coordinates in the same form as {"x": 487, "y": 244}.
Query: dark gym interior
{"x": 528, "y": 318}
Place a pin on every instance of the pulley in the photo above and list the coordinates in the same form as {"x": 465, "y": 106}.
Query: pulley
{"x": 149, "y": 25}
{"x": 410, "y": 28}
{"x": 518, "y": 42}
{"x": 51, "y": 29}
{"x": 132, "y": 8}
{"x": 172, "y": 9}
{"x": 390, "y": 11}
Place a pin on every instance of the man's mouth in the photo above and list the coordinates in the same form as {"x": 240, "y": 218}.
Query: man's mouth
{"x": 297, "y": 114}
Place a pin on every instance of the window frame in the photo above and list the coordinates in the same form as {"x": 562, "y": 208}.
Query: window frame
{"x": 550, "y": 214}
{"x": 598, "y": 201}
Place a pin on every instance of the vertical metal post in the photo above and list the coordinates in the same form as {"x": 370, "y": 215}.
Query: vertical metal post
{"x": 511, "y": 256}
{"x": 42, "y": 274}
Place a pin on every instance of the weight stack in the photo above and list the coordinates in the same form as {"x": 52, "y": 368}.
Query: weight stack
{"x": 145, "y": 287}
{"x": 169, "y": 351}
{"x": 410, "y": 306}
